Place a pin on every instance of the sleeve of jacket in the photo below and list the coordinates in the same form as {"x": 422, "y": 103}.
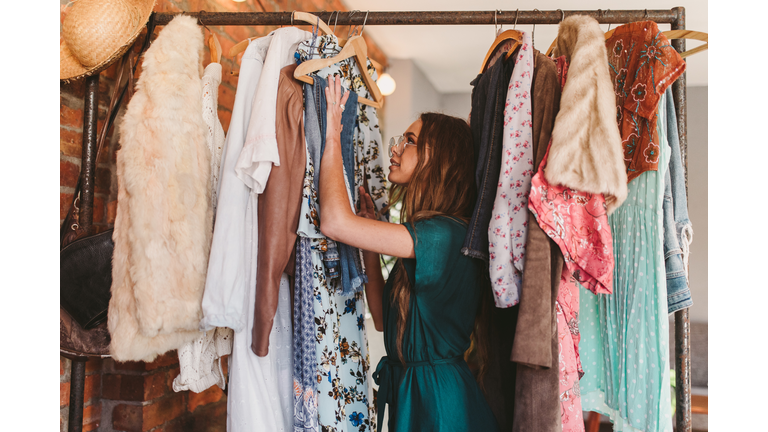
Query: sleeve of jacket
{"x": 279, "y": 208}
{"x": 543, "y": 259}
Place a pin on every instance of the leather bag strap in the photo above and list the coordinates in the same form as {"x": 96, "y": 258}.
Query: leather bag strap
{"x": 70, "y": 229}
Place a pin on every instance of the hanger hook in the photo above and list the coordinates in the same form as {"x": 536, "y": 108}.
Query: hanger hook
{"x": 533, "y": 32}
{"x": 351, "y": 27}
{"x": 335, "y": 22}
{"x": 562, "y": 15}
{"x": 200, "y": 20}
{"x": 517, "y": 12}
{"x": 645, "y": 15}
{"x": 364, "y": 20}
{"x": 292, "y": 16}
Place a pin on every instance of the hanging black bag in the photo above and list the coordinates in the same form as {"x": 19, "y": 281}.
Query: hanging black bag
{"x": 86, "y": 278}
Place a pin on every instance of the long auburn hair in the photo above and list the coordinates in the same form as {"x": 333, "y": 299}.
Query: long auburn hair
{"x": 443, "y": 183}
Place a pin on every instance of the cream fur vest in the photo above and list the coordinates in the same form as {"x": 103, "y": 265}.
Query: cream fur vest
{"x": 162, "y": 230}
{"x": 586, "y": 153}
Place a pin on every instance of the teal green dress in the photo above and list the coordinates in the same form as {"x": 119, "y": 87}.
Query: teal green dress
{"x": 624, "y": 343}
{"x": 435, "y": 391}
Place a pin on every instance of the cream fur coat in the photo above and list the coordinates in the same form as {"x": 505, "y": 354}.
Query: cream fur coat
{"x": 586, "y": 153}
{"x": 162, "y": 229}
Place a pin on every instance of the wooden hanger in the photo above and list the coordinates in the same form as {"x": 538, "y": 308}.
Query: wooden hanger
{"x": 376, "y": 65}
{"x": 689, "y": 34}
{"x": 501, "y": 38}
{"x": 213, "y": 41}
{"x": 680, "y": 34}
{"x": 356, "y": 47}
{"x": 669, "y": 34}
{"x": 505, "y": 36}
{"x": 342, "y": 41}
{"x": 295, "y": 16}
{"x": 215, "y": 47}
{"x": 551, "y": 47}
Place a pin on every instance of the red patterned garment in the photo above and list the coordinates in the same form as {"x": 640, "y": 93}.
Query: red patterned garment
{"x": 578, "y": 223}
{"x": 642, "y": 65}
{"x": 569, "y": 362}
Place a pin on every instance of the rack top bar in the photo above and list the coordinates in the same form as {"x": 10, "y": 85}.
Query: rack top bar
{"x": 667, "y": 16}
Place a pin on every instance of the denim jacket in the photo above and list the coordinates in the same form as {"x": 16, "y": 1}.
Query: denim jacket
{"x": 341, "y": 260}
{"x": 678, "y": 231}
{"x": 487, "y": 122}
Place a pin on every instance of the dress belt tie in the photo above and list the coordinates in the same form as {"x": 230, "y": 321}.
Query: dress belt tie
{"x": 384, "y": 378}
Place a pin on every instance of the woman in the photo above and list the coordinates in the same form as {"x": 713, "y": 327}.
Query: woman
{"x": 428, "y": 306}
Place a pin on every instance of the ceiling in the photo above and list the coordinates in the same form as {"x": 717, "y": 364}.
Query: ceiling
{"x": 450, "y": 56}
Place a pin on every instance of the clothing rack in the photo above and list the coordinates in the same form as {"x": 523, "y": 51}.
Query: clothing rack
{"x": 674, "y": 16}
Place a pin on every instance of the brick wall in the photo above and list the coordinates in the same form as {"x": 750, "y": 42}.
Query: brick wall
{"x": 137, "y": 396}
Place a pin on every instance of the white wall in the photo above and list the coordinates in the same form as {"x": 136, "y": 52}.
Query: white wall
{"x": 456, "y": 104}
{"x": 413, "y": 95}
{"x": 697, "y": 199}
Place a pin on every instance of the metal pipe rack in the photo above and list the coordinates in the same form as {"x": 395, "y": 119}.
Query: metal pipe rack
{"x": 674, "y": 16}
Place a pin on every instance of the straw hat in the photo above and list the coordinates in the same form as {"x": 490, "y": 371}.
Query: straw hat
{"x": 95, "y": 33}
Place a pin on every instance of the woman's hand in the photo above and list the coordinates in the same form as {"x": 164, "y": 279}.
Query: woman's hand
{"x": 335, "y": 106}
{"x": 338, "y": 219}
{"x": 367, "y": 209}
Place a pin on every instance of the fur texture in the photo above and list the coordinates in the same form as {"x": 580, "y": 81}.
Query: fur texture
{"x": 586, "y": 152}
{"x": 162, "y": 228}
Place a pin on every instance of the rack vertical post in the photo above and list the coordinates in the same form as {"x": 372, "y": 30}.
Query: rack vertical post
{"x": 85, "y": 220}
{"x": 683, "y": 419}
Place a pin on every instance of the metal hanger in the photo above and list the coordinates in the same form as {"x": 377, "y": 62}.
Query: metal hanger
{"x": 295, "y": 16}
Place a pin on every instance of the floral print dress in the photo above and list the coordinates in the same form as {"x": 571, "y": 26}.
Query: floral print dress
{"x": 344, "y": 397}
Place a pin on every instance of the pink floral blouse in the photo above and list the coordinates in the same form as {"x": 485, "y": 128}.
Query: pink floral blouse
{"x": 508, "y": 229}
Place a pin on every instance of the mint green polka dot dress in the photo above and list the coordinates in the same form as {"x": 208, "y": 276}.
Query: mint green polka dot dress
{"x": 624, "y": 335}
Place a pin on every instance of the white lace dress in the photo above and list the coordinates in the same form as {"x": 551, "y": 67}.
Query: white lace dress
{"x": 200, "y": 360}
{"x": 215, "y": 136}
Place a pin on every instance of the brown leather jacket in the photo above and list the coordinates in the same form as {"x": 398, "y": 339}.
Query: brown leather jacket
{"x": 279, "y": 208}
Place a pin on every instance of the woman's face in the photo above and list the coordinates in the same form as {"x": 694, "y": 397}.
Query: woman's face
{"x": 403, "y": 162}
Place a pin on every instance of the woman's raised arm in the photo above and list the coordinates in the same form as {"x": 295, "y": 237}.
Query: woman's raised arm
{"x": 337, "y": 219}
